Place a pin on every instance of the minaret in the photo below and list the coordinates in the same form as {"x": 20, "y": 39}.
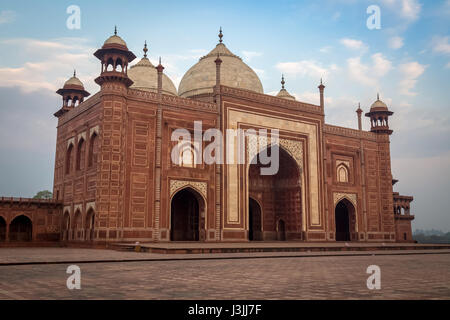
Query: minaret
{"x": 359, "y": 112}
{"x": 115, "y": 57}
{"x": 73, "y": 93}
{"x": 379, "y": 117}
{"x": 321, "y": 90}
{"x": 160, "y": 70}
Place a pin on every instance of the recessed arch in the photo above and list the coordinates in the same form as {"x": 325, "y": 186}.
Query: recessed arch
{"x": 280, "y": 194}
{"x": 255, "y": 223}
{"x": 2, "y": 229}
{"x": 345, "y": 220}
{"x": 89, "y": 225}
{"x": 93, "y": 149}
{"x": 21, "y": 228}
{"x": 69, "y": 158}
{"x": 80, "y": 159}
{"x": 343, "y": 173}
{"x": 77, "y": 225}
{"x": 187, "y": 215}
{"x": 66, "y": 226}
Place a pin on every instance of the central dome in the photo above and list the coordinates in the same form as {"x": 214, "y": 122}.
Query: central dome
{"x": 201, "y": 78}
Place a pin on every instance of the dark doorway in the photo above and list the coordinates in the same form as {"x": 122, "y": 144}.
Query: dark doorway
{"x": 342, "y": 221}
{"x": 254, "y": 223}
{"x": 21, "y": 229}
{"x": 66, "y": 226}
{"x": 279, "y": 196}
{"x": 90, "y": 223}
{"x": 185, "y": 216}
{"x": 2, "y": 229}
{"x": 281, "y": 230}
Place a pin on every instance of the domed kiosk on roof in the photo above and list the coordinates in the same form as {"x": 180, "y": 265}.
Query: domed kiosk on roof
{"x": 283, "y": 92}
{"x": 145, "y": 77}
{"x": 201, "y": 78}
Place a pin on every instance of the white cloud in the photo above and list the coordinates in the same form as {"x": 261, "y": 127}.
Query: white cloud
{"x": 7, "y": 16}
{"x": 407, "y": 9}
{"x": 309, "y": 68}
{"x": 325, "y": 49}
{"x": 369, "y": 74}
{"x": 396, "y": 43}
{"x": 353, "y": 44}
{"x": 249, "y": 55}
{"x": 54, "y": 62}
{"x": 440, "y": 45}
{"x": 411, "y": 9}
{"x": 411, "y": 72}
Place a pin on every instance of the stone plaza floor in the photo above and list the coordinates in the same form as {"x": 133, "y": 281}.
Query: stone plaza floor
{"x": 40, "y": 273}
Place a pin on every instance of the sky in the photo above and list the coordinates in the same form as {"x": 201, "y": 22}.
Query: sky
{"x": 406, "y": 61}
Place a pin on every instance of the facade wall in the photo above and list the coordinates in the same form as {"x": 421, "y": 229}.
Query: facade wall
{"x": 44, "y": 216}
{"x": 75, "y": 180}
{"x": 369, "y": 186}
{"x": 124, "y": 192}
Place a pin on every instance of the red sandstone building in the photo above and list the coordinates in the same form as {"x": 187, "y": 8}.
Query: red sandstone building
{"x": 114, "y": 179}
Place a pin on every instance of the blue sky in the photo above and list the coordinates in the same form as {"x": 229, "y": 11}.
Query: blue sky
{"x": 407, "y": 61}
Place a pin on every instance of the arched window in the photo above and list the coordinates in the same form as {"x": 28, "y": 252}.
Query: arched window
{"x": 69, "y": 158}
{"x": 93, "y": 150}
{"x": 187, "y": 157}
{"x": 80, "y": 155}
{"x": 110, "y": 65}
{"x": 342, "y": 173}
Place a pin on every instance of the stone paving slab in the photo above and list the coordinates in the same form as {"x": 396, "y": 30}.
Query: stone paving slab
{"x": 23, "y": 256}
{"x": 416, "y": 276}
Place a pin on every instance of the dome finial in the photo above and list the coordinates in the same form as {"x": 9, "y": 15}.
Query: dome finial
{"x": 282, "y": 81}
{"x": 145, "y": 49}
{"x": 115, "y": 30}
{"x": 220, "y": 35}
{"x": 74, "y": 72}
{"x": 378, "y": 96}
{"x": 159, "y": 60}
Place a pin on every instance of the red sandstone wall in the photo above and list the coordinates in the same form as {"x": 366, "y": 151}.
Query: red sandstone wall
{"x": 368, "y": 156}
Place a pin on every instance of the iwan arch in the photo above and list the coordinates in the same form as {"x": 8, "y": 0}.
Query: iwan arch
{"x": 114, "y": 179}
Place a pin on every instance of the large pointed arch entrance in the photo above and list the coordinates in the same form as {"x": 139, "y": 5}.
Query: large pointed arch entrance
{"x": 21, "y": 229}
{"x": 344, "y": 215}
{"x": 187, "y": 216}
{"x": 279, "y": 198}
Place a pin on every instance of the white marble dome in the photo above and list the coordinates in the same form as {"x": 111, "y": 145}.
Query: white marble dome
{"x": 145, "y": 77}
{"x": 201, "y": 78}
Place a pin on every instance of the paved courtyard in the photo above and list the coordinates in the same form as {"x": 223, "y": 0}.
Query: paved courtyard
{"x": 411, "y": 276}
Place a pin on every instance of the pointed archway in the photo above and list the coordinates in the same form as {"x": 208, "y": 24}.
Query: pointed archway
{"x": 21, "y": 229}
{"x": 2, "y": 229}
{"x": 66, "y": 226}
{"x": 281, "y": 230}
{"x": 187, "y": 216}
{"x": 280, "y": 196}
{"x": 89, "y": 225}
{"x": 255, "y": 221}
{"x": 344, "y": 220}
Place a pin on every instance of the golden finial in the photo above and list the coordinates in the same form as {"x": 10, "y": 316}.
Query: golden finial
{"x": 282, "y": 81}
{"x": 115, "y": 30}
{"x": 220, "y": 35}
{"x": 145, "y": 49}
